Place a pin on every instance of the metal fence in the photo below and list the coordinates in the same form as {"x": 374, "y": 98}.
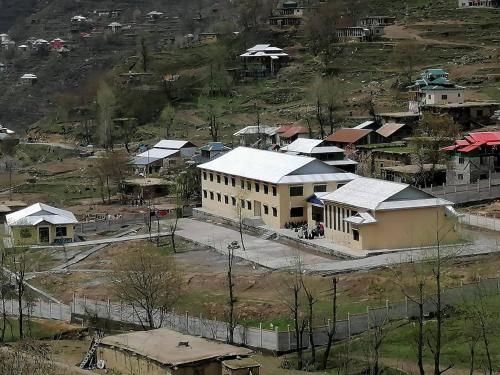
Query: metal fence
{"x": 283, "y": 341}
{"x": 112, "y": 224}
{"x": 481, "y": 221}
{"x": 479, "y": 191}
{"x": 39, "y": 309}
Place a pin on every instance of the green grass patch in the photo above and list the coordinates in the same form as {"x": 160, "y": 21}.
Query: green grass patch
{"x": 33, "y": 329}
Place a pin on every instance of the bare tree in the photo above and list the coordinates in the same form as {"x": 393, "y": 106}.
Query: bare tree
{"x": 144, "y": 53}
{"x": 106, "y": 102}
{"x": 230, "y": 284}
{"x": 18, "y": 265}
{"x": 331, "y": 324}
{"x": 406, "y": 56}
{"x": 327, "y": 95}
{"x": 149, "y": 283}
{"x": 167, "y": 117}
{"x": 376, "y": 336}
{"x": 213, "y": 110}
{"x": 5, "y": 285}
{"x": 311, "y": 301}
{"x": 110, "y": 169}
{"x": 9, "y": 164}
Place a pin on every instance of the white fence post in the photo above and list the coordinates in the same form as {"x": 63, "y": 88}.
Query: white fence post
{"x": 261, "y": 333}
{"x": 289, "y": 337}
{"x": 349, "y": 325}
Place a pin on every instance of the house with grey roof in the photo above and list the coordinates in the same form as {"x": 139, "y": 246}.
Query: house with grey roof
{"x": 40, "y": 224}
{"x": 371, "y": 214}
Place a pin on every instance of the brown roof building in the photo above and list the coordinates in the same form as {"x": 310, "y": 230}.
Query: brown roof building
{"x": 346, "y": 137}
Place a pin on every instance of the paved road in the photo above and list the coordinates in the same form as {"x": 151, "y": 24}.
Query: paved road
{"x": 274, "y": 255}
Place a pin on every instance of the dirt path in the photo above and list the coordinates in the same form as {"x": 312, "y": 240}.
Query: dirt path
{"x": 406, "y": 33}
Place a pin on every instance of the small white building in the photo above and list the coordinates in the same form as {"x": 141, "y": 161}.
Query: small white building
{"x": 4, "y": 37}
{"x": 28, "y": 79}
{"x": 115, "y": 27}
{"x": 186, "y": 148}
{"x": 258, "y": 136}
{"x": 354, "y": 33}
{"x": 154, "y": 15}
{"x": 269, "y": 58}
{"x": 78, "y": 19}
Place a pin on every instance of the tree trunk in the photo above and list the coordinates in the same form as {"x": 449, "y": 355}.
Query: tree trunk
{"x": 298, "y": 332}
{"x": 333, "y": 328}
{"x": 311, "y": 331}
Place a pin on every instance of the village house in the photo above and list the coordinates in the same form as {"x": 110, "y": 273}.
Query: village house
{"x": 473, "y": 158}
{"x": 265, "y": 186}
{"x": 165, "y": 154}
{"x": 78, "y": 19}
{"x": 40, "y": 224}
{"x": 288, "y": 14}
{"x": 262, "y": 60}
{"x": 7, "y": 45}
{"x": 4, "y": 37}
{"x": 9, "y": 206}
{"x": 57, "y": 43}
{"x": 211, "y": 151}
{"x": 28, "y": 79}
{"x": 3, "y": 67}
{"x": 290, "y": 133}
{"x": 478, "y": 3}
{"x": 110, "y": 13}
{"x": 369, "y": 214}
{"x": 154, "y": 15}
{"x": 166, "y": 352}
{"x": 353, "y": 34}
{"x": 349, "y": 137}
{"x": 468, "y": 114}
{"x": 114, "y": 27}
{"x": 260, "y": 136}
{"x": 408, "y": 118}
{"x": 8, "y": 138}
{"x": 207, "y": 38}
{"x": 433, "y": 88}
{"x": 317, "y": 149}
{"x": 393, "y": 132}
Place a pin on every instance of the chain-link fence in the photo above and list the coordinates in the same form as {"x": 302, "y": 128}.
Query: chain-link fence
{"x": 283, "y": 341}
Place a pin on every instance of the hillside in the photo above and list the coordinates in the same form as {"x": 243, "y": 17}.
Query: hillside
{"x": 461, "y": 41}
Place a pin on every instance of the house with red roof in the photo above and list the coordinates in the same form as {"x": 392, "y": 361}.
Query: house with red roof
{"x": 473, "y": 158}
{"x": 289, "y": 133}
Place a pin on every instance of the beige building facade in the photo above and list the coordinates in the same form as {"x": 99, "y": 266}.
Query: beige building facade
{"x": 370, "y": 214}
{"x": 271, "y": 186}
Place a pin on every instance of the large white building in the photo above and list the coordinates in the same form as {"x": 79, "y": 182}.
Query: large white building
{"x": 478, "y": 3}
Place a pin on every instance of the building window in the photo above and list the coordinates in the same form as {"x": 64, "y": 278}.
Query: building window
{"x": 275, "y": 212}
{"x": 355, "y": 235}
{"x": 61, "y": 231}
{"x": 429, "y": 96}
{"x": 204, "y": 175}
{"x": 257, "y": 187}
{"x": 226, "y": 180}
{"x": 212, "y": 195}
{"x": 218, "y": 178}
{"x": 249, "y": 186}
{"x": 266, "y": 210}
{"x": 266, "y": 189}
{"x": 211, "y": 176}
{"x": 226, "y": 199}
{"x": 297, "y": 212}
{"x": 249, "y": 205}
{"x": 461, "y": 160}
{"x": 320, "y": 188}
{"x": 275, "y": 192}
{"x": 459, "y": 95}
{"x": 460, "y": 177}
{"x": 296, "y": 191}
{"x": 233, "y": 201}
{"x": 444, "y": 97}
{"x": 205, "y": 194}
{"x": 479, "y": 113}
{"x": 233, "y": 182}
{"x": 219, "y": 197}
{"x": 242, "y": 183}
{"x": 242, "y": 203}
{"x": 343, "y": 222}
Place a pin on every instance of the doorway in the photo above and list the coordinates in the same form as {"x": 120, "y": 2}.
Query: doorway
{"x": 43, "y": 234}
{"x": 257, "y": 208}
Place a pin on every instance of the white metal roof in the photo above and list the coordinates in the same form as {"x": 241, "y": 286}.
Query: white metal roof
{"x": 361, "y": 218}
{"x": 40, "y": 212}
{"x": 254, "y": 129}
{"x": 269, "y": 166}
{"x": 264, "y": 50}
{"x": 303, "y": 145}
{"x": 29, "y": 76}
{"x": 346, "y": 161}
{"x": 317, "y": 178}
{"x": 171, "y": 144}
{"x": 158, "y": 153}
{"x": 371, "y": 194}
{"x": 364, "y": 125}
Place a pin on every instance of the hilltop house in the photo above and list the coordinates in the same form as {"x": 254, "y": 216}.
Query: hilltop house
{"x": 478, "y": 3}
{"x": 317, "y": 149}
{"x": 376, "y": 24}
{"x": 114, "y": 27}
{"x": 28, "y": 79}
{"x": 154, "y": 15}
{"x": 78, "y": 19}
{"x": 474, "y": 158}
{"x": 289, "y": 14}
{"x": 262, "y": 60}
{"x": 57, "y": 43}
{"x": 433, "y": 88}
{"x": 211, "y": 151}
{"x": 353, "y": 33}
{"x": 370, "y": 214}
{"x": 166, "y": 352}
{"x": 265, "y": 186}
{"x": 392, "y": 132}
{"x": 40, "y": 224}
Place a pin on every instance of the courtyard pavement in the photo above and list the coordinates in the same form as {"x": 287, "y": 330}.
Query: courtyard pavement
{"x": 275, "y": 255}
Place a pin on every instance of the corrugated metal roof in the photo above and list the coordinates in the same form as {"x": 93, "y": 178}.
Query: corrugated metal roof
{"x": 348, "y": 135}
{"x": 341, "y": 162}
{"x": 389, "y": 129}
{"x": 364, "y": 125}
{"x": 361, "y": 218}
{"x": 270, "y": 166}
{"x": 158, "y": 153}
{"x": 294, "y": 130}
{"x": 254, "y": 129}
{"x": 413, "y": 203}
{"x": 38, "y": 213}
{"x": 173, "y": 144}
{"x": 303, "y": 145}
